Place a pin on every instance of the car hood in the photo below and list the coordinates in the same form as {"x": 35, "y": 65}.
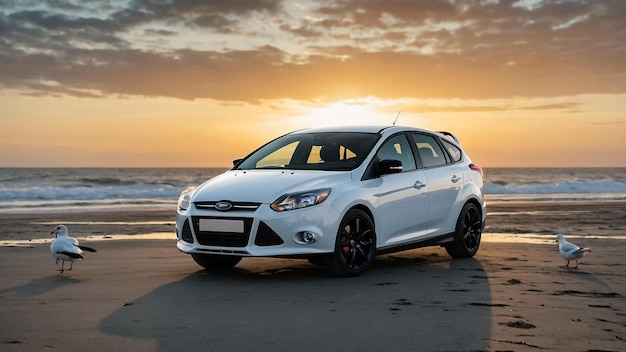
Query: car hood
{"x": 265, "y": 186}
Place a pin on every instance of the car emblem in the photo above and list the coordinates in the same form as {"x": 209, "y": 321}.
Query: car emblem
{"x": 223, "y": 206}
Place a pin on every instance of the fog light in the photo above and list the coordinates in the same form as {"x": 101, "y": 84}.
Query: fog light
{"x": 308, "y": 237}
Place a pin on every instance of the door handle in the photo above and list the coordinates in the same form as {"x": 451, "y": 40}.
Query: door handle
{"x": 419, "y": 185}
{"x": 455, "y": 178}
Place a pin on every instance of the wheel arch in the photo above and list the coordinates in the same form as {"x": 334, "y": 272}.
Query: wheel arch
{"x": 476, "y": 203}
{"x": 364, "y": 208}
{"x": 369, "y": 213}
{"x": 472, "y": 193}
{"x": 481, "y": 208}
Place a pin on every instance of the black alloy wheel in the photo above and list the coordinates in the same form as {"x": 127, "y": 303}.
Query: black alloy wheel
{"x": 355, "y": 246}
{"x": 469, "y": 228}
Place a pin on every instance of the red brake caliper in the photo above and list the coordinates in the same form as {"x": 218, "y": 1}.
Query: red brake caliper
{"x": 345, "y": 237}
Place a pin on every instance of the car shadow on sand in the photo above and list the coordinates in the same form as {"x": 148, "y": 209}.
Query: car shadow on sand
{"x": 407, "y": 301}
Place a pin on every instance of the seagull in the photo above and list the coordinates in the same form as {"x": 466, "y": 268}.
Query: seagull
{"x": 570, "y": 251}
{"x": 66, "y": 248}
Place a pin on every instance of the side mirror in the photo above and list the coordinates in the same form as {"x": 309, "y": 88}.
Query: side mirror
{"x": 389, "y": 166}
{"x": 237, "y": 162}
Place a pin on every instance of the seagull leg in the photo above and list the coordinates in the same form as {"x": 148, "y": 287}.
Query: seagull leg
{"x": 71, "y": 265}
{"x": 62, "y": 265}
{"x": 565, "y": 266}
{"x": 576, "y": 267}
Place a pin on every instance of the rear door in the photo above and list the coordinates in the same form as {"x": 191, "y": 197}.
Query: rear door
{"x": 445, "y": 180}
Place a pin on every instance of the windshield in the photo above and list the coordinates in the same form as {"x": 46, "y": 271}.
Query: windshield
{"x": 330, "y": 151}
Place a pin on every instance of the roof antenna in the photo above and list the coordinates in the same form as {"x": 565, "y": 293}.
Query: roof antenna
{"x": 396, "y": 120}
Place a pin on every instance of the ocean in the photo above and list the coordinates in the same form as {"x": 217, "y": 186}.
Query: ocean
{"x": 33, "y": 190}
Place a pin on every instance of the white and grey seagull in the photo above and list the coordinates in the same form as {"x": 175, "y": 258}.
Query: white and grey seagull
{"x": 65, "y": 248}
{"x": 570, "y": 251}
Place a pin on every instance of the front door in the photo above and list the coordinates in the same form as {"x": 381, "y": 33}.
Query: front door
{"x": 403, "y": 197}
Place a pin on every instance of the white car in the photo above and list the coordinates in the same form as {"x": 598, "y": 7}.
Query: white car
{"x": 337, "y": 197}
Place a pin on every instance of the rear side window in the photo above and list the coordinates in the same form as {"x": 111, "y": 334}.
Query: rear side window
{"x": 453, "y": 150}
{"x": 429, "y": 150}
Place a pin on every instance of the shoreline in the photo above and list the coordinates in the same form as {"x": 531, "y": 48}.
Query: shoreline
{"x": 588, "y": 219}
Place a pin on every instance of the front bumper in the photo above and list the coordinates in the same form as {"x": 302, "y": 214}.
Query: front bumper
{"x": 260, "y": 232}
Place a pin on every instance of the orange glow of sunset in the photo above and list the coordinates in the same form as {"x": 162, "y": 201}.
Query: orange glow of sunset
{"x": 133, "y": 84}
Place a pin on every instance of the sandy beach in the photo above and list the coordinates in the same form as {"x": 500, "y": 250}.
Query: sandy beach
{"x": 144, "y": 295}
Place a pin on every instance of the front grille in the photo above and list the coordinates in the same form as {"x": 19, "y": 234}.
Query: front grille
{"x": 241, "y": 206}
{"x": 220, "y": 238}
{"x": 265, "y": 236}
{"x": 186, "y": 233}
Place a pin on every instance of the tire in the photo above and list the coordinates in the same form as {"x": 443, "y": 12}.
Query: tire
{"x": 467, "y": 234}
{"x": 355, "y": 246}
{"x": 215, "y": 262}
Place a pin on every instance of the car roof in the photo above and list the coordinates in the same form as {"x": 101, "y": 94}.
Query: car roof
{"x": 381, "y": 129}
{"x": 384, "y": 130}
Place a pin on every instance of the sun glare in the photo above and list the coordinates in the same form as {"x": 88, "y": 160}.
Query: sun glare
{"x": 365, "y": 111}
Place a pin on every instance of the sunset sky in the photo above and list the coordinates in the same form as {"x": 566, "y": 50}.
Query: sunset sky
{"x": 193, "y": 83}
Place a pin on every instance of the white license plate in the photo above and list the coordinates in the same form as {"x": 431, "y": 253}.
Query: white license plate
{"x": 221, "y": 225}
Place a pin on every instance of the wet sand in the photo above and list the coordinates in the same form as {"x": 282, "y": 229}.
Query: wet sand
{"x": 144, "y": 295}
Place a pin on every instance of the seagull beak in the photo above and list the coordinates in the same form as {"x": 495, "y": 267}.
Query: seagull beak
{"x": 55, "y": 233}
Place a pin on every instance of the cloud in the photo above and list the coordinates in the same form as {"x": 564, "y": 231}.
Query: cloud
{"x": 494, "y": 106}
{"x": 251, "y": 50}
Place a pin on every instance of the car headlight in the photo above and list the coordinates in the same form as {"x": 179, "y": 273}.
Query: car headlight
{"x": 185, "y": 198}
{"x": 300, "y": 200}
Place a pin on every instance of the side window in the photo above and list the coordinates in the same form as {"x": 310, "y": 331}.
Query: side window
{"x": 429, "y": 150}
{"x": 453, "y": 150}
{"x": 398, "y": 148}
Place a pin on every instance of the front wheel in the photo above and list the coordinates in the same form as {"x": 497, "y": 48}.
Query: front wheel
{"x": 215, "y": 262}
{"x": 355, "y": 246}
{"x": 469, "y": 228}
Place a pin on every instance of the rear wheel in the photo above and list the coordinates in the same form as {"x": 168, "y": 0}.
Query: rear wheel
{"x": 215, "y": 262}
{"x": 355, "y": 246}
{"x": 469, "y": 228}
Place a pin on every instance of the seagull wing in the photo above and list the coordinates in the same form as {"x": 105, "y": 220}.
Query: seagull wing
{"x": 65, "y": 245}
{"x": 72, "y": 255}
{"x": 580, "y": 252}
{"x": 85, "y": 248}
{"x": 568, "y": 247}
